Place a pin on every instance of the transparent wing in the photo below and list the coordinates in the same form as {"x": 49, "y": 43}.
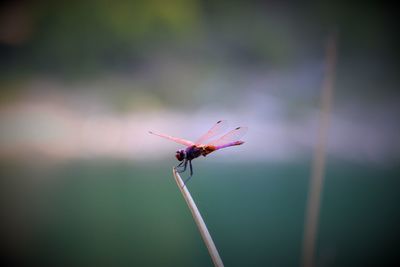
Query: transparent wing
{"x": 217, "y": 129}
{"x": 175, "y": 139}
{"x": 230, "y": 137}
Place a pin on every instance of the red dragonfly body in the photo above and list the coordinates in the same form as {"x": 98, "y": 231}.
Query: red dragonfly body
{"x": 200, "y": 148}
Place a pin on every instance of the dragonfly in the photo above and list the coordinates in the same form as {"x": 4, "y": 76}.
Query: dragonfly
{"x": 205, "y": 145}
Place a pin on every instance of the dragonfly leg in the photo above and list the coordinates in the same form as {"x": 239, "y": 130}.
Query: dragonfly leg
{"x": 191, "y": 174}
{"x": 184, "y": 166}
{"x": 180, "y": 164}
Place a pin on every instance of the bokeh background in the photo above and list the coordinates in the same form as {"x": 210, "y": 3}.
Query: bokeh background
{"x": 84, "y": 184}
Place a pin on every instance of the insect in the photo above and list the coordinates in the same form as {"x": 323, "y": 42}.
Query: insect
{"x": 203, "y": 146}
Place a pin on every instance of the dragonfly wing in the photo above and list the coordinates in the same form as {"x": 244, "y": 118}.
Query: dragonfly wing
{"x": 175, "y": 139}
{"x": 230, "y": 139}
{"x": 218, "y": 128}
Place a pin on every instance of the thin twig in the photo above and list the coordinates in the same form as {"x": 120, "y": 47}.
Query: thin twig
{"x": 212, "y": 249}
{"x": 318, "y": 164}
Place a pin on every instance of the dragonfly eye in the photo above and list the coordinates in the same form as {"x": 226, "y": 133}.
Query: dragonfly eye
{"x": 180, "y": 155}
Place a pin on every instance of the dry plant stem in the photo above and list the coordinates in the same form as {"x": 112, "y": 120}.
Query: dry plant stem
{"x": 318, "y": 164}
{"x": 199, "y": 220}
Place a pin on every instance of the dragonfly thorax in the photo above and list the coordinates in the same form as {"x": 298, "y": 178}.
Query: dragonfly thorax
{"x": 193, "y": 152}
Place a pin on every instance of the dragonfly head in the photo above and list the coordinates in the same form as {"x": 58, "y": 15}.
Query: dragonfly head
{"x": 180, "y": 155}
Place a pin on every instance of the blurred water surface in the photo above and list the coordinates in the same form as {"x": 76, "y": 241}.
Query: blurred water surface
{"x": 102, "y": 213}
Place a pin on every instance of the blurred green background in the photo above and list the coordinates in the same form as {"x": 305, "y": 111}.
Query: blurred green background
{"x": 81, "y": 83}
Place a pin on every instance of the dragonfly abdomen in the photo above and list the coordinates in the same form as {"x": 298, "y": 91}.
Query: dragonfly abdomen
{"x": 207, "y": 150}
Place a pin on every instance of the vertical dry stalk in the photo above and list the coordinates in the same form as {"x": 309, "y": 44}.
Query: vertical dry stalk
{"x": 318, "y": 165}
{"x": 212, "y": 249}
